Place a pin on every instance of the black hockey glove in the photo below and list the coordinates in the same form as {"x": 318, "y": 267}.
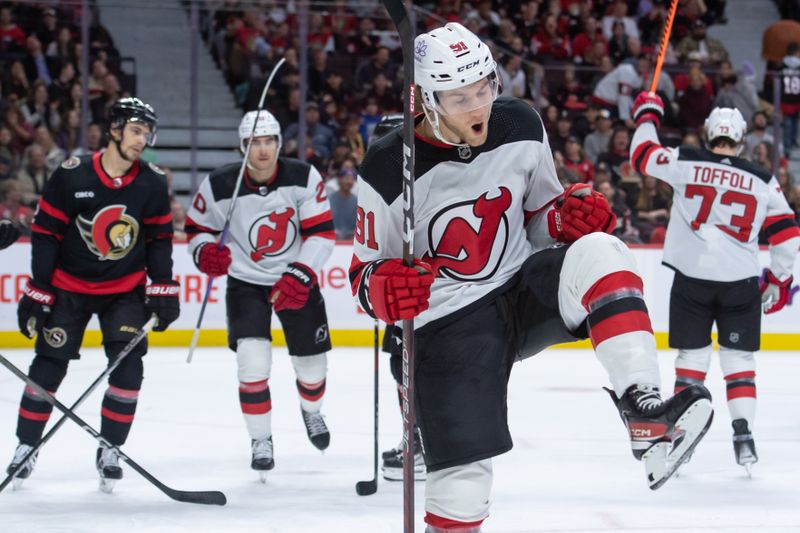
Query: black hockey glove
{"x": 162, "y": 299}
{"x": 34, "y": 308}
{"x": 8, "y": 233}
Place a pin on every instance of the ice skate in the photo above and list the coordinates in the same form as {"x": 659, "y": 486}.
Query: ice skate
{"x": 316, "y": 429}
{"x": 664, "y": 433}
{"x": 108, "y": 468}
{"x": 25, "y": 472}
{"x": 392, "y": 467}
{"x": 743, "y": 445}
{"x": 263, "y": 458}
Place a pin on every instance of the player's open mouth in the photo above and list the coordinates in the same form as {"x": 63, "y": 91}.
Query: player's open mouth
{"x": 477, "y": 128}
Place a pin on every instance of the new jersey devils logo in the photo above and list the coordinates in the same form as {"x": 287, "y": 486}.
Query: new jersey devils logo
{"x": 272, "y": 234}
{"x": 468, "y": 239}
{"x": 111, "y": 234}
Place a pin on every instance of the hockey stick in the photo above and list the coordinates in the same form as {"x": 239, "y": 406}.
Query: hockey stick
{"x": 122, "y": 355}
{"x": 226, "y": 227}
{"x": 399, "y": 15}
{"x": 366, "y": 488}
{"x": 203, "y": 497}
{"x": 662, "y": 52}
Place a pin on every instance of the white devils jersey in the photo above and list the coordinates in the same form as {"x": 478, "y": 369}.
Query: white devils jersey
{"x": 719, "y": 206}
{"x": 471, "y": 208}
{"x": 284, "y": 221}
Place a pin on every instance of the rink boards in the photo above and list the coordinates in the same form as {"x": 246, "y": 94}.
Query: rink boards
{"x": 349, "y": 325}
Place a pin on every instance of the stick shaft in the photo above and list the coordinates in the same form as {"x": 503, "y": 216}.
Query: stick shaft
{"x": 662, "y": 52}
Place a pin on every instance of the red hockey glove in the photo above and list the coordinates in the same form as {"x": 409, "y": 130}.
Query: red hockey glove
{"x": 398, "y": 292}
{"x": 292, "y": 290}
{"x": 578, "y": 212}
{"x": 774, "y": 293}
{"x": 162, "y": 300}
{"x": 211, "y": 260}
{"x": 647, "y": 108}
{"x": 34, "y": 308}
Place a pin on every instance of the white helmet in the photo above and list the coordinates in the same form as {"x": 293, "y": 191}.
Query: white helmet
{"x": 725, "y": 122}
{"x": 267, "y": 126}
{"x": 449, "y": 58}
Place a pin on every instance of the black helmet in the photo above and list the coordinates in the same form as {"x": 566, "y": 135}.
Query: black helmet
{"x": 130, "y": 109}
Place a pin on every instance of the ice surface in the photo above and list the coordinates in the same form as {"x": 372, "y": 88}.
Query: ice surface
{"x": 571, "y": 469}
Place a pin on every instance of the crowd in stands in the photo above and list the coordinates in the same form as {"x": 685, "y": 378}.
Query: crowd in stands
{"x": 580, "y": 63}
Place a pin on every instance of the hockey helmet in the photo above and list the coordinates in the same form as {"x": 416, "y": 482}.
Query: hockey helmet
{"x": 267, "y": 125}
{"x": 725, "y": 122}
{"x": 452, "y": 57}
{"x": 131, "y": 109}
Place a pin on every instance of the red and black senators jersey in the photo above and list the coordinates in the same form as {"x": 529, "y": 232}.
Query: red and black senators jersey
{"x": 287, "y": 219}
{"x": 97, "y": 234}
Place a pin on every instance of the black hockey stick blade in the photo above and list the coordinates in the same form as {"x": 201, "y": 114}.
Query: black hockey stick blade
{"x": 203, "y": 497}
{"x": 367, "y": 488}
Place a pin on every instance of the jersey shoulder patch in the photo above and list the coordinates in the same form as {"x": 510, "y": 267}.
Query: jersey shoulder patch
{"x": 157, "y": 169}
{"x": 71, "y": 163}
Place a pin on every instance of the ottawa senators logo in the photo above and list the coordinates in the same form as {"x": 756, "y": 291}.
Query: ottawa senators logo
{"x": 111, "y": 234}
{"x": 468, "y": 239}
{"x": 272, "y": 234}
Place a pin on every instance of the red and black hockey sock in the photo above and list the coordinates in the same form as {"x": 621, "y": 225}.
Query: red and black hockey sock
{"x": 616, "y": 307}
{"x": 685, "y": 377}
{"x": 254, "y": 397}
{"x": 311, "y": 394}
{"x": 34, "y": 412}
{"x": 440, "y": 524}
{"x": 741, "y": 385}
{"x": 119, "y": 408}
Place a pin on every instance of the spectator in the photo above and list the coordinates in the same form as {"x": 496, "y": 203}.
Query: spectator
{"x": 53, "y": 154}
{"x": 597, "y": 142}
{"x": 763, "y": 154}
{"x": 6, "y": 148}
{"x": 178, "y": 220}
{"x": 47, "y": 32}
{"x": 344, "y": 204}
{"x": 36, "y": 63}
{"x": 757, "y": 134}
{"x": 652, "y": 208}
{"x": 379, "y": 63}
{"x": 38, "y": 110}
{"x": 63, "y": 47}
{"x": 790, "y": 95}
{"x": 575, "y": 161}
{"x": 691, "y": 139}
{"x": 16, "y": 81}
{"x": 695, "y": 103}
{"x": 615, "y": 90}
{"x": 354, "y": 139}
{"x": 98, "y": 74}
{"x": 365, "y": 42}
{"x": 59, "y": 89}
{"x": 369, "y": 119}
{"x": 21, "y": 132}
{"x": 386, "y": 98}
{"x": 102, "y": 104}
{"x": 67, "y": 136}
{"x": 617, "y": 155}
{"x": 791, "y": 191}
{"x": 6, "y": 171}
{"x": 616, "y": 199}
{"x": 12, "y": 208}
{"x": 549, "y": 45}
{"x": 583, "y": 42}
{"x": 512, "y": 76}
{"x": 618, "y": 44}
{"x": 710, "y": 51}
{"x": 322, "y": 138}
{"x": 33, "y": 175}
{"x": 558, "y": 138}
{"x": 12, "y": 37}
{"x": 619, "y": 14}
{"x": 732, "y": 93}
{"x": 94, "y": 140}
{"x": 571, "y": 94}
{"x": 287, "y": 113}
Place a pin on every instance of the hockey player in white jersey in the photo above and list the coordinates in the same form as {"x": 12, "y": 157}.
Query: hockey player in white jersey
{"x": 720, "y": 204}
{"x": 492, "y": 285}
{"x": 281, "y": 233}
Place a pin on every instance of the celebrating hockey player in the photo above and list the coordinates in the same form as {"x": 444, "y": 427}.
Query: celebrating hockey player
{"x": 490, "y": 285}
{"x": 720, "y": 204}
{"x": 103, "y": 226}
{"x": 281, "y": 233}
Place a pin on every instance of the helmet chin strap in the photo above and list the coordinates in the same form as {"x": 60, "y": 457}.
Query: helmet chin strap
{"x": 432, "y": 116}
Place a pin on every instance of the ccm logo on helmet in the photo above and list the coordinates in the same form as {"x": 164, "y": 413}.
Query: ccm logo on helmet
{"x": 468, "y": 66}
{"x": 162, "y": 290}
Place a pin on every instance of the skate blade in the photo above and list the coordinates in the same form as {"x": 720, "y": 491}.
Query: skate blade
{"x": 17, "y": 482}
{"x": 262, "y": 476}
{"x": 660, "y": 462}
{"x": 748, "y": 467}
{"x": 396, "y": 474}
{"x": 107, "y": 485}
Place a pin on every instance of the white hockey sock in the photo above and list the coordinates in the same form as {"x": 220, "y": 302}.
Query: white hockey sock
{"x": 254, "y": 359}
{"x": 691, "y": 367}
{"x": 311, "y": 371}
{"x": 739, "y": 369}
